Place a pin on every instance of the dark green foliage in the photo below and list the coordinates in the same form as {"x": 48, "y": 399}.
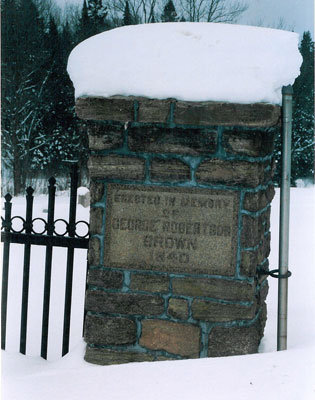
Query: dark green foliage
{"x": 127, "y": 15}
{"x": 24, "y": 77}
{"x": 84, "y": 27}
{"x": 303, "y": 118}
{"x": 39, "y": 127}
{"x": 97, "y": 12}
{"x": 169, "y": 12}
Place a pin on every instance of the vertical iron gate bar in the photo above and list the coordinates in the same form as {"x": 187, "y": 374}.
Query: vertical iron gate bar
{"x": 86, "y": 288}
{"x": 48, "y": 263}
{"x": 26, "y": 271}
{"x": 70, "y": 256}
{"x": 5, "y": 269}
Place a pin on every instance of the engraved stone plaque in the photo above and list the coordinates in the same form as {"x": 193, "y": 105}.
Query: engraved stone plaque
{"x": 168, "y": 229}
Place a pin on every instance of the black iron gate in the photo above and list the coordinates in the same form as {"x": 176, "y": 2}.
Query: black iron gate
{"x": 47, "y": 237}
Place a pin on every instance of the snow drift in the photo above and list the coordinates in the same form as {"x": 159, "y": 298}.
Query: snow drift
{"x": 187, "y": 61}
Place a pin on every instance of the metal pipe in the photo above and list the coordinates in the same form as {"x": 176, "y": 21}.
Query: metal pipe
{"x": 287, "y": 93}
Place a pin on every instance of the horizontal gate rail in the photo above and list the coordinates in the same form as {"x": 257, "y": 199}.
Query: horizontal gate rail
{"x": 55, "y": 241}
{"x": 48, "y": 237}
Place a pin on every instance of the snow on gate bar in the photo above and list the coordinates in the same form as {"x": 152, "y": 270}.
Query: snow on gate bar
{"x": 181, "y": 168}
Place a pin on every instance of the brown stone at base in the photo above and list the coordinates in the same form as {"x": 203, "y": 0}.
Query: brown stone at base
{"x": 108, "y": 357}
{"x": 109, "y": 330}
{"x": 221, "y": 312}
{"x": 233, "y": 341}
{"x": 173, "y": 337}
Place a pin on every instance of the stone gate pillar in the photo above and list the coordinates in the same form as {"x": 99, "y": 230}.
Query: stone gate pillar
{"x": 180, "y": 227}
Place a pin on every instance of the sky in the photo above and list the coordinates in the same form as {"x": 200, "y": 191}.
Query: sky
{"x": 298, "y": 15}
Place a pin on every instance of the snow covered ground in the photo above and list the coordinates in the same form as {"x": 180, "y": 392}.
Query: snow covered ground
{"x": 287, "y": 375}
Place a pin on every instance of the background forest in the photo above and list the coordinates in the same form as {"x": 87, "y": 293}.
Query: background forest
{"x": 39, "y": 128}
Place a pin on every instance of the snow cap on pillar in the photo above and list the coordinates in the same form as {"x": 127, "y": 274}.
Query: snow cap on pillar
{"x": 187, "y": 61}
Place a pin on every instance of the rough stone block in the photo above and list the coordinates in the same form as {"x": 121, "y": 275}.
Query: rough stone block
{"x": 149, "y": 283}
{"x": 250, "y": 259}
{"x": 173, "y": 337}
{"x": 124, "y": 303}
{"x": 94, "y": 251}
{"x": 233, "y": 340}
{"x": 215, "y": 288}
{"x": 109, "y": 330}
{"x": 96, "y": 220}
{"x": 121, "y": 108}
{"x": 227, "y": 114}
{"x": 155, "y": 139}
{"x": 254, "y": 228}
{"x": 115, "y": 108}
{"x": 151, "y": 110}
{"x": 164, "y": 358}
{"x": 105, "y": 278}
{"x": 104, "y": 136}
{"x": 249, "y": 262}
{"x": 116, "y": 167}
{"x": 108, "y": 357}
{"x": 219, "y": 312}
{"x": 96, "y": 191}
{"x": 169, "y": 170}
{"x": 258, "y": 200}
{"x": 178, "y": 308}
{"x": 253, "y": 143}
{"x": 233, "y": 173}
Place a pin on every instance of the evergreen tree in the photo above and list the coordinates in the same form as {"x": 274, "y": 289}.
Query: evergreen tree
{"x": 169, "y": 12}
{"x": 61, "y": 138}
{"x": 302, "y": 161}
{"x": 97, "y": 13}
{"x": 303, "y": 115}
{"x": 84, "y": 27}
{"x": 127, "y": 15}
{"x": 23, "y": 80}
